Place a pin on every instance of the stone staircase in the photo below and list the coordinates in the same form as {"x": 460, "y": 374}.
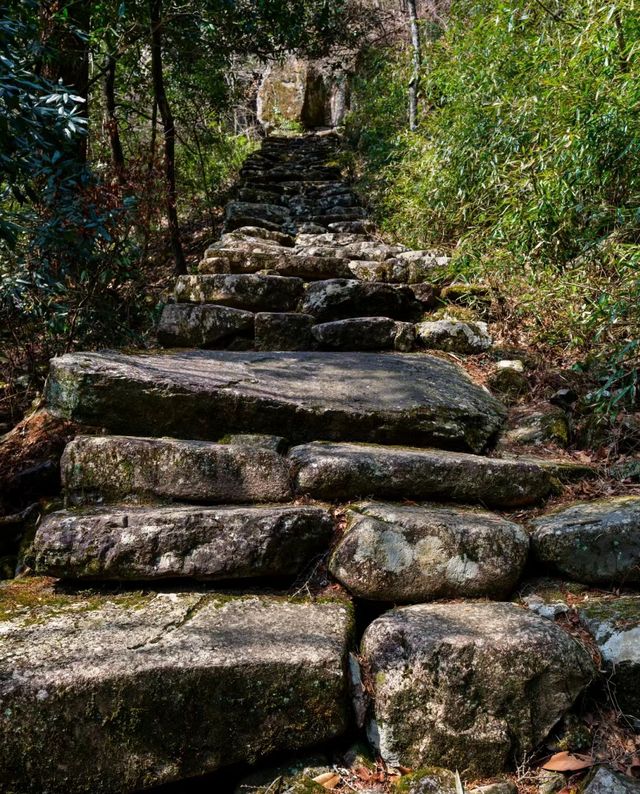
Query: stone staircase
{"x": 233, "y": 466}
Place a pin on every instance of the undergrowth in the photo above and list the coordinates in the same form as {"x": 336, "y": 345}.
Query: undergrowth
{"x": 526, "y": 168}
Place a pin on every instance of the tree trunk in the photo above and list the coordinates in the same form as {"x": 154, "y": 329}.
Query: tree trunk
{"x": 155, "y": 8}
{"x": 414, "y": 82}
{"x": 111, "y": 120}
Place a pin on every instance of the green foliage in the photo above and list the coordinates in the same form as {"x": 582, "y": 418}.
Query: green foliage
{"x": 526, "y": 165}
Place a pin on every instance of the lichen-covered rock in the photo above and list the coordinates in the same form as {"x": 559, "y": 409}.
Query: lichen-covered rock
{"x": 284, "y": 331}
{"x": 454, "y": 336}
{"x": 607, "y": 782}
{"x": 364, "y": 333}
{"x": 615, "y": 624}
{"x": 338, "y": 299}
{"x": 249, "y": 291}
{"x": 124, "y": 692}
{"x": 351, "y": 471}
{"x": 111, "y": 467}
{"x": 473, "y": 685}
{"x": 292, "y": 91}
{"x": 203, "y": 325}
{"x": 536, "y": 426}
{"x": 431, "y": 780}
{"x": 173, "y": 542}
{"x": 592, "y": 542}
{"x": 386, "y": 398}
{"x": 415, "y": 553}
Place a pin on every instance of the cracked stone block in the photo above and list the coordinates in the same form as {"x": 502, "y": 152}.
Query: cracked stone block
{"x": 123, "y": 692}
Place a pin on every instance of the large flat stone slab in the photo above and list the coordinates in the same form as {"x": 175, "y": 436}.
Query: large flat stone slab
{"x": 393, "y": 398}
{"x": 345, "y": 472}
{"x": 113, "y": 467}
{"x": 472, "y": 686}
{"x": 119, "y": 693}
{"x": 149, "y": 543}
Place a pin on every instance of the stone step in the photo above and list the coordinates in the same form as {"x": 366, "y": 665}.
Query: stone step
{"x": 204, "y": 326}
{"x": 284, "y": 262}
{"x": 346, "y": 472}
{"x": 150, "y": 543}
{"x": 119, "y": 693}
{"x": 385, "y": 398}
{"x": 99, "y": 468}
{"x": 339, "y": 299}
{"x": 364, "y": 333}
{"x": 486, "y": 683}
{"x": 249, "y": 291}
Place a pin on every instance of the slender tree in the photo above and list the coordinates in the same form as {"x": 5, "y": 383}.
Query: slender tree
{"x": 414, "y": 82}
{"x": 111, "y": 118}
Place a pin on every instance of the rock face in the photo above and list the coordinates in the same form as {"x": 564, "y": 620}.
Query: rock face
{"x": 417, "y": 553}
{"x": 470, "y": 686}
{"x": 350, "y": 471}
{"x": 292, "y": 92}
{"x": 110, "y": 467}
{"x": 303, "y": 396}
{"x": 454, "y": 336}
{"x": 127, "y": 692}
{"x": 615, "y": 624}
{"x": 592, "y": 542}
{"x": 172, "y": 542}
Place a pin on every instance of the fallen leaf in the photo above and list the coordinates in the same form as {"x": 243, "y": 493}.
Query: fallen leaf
{"x": 328, "y": 780}
{"x": 568, "y": 762}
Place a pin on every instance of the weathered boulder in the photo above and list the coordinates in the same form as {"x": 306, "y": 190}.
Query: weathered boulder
{"x": 364, "y": 333}
{"x": 415, "y": 553}
{"x": 473, "y": 685}
{"x": 173, "y": 542}
{"x": 242, "y": 291}
{"x": 388, "y": 398}
{"x": 454, "y": 336}
{"x": 607, "y": 782}
{"x": 204, "y": 325}
{"x": 615, "y": 624}
{"x": 111, "y": 467}
{"x": 284, "y": 331}
{"x": 124, "y": 692}
{"x": 592, "y": 542}
{"x": 351, "y": 471}
{"x": 338, "y": 299}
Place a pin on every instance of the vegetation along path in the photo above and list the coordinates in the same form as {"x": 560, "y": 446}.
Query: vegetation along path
{"x": 302, "y": 413}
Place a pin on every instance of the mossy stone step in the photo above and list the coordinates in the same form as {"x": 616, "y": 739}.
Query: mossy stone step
{"x": 113, "y": 467}
{"x": 383, "y": 398}
{"x": 119, "y": 693}
{"x": 204, "y": 543}
{"x": 252, "y": 292}
{"x": 344, "y": 472}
